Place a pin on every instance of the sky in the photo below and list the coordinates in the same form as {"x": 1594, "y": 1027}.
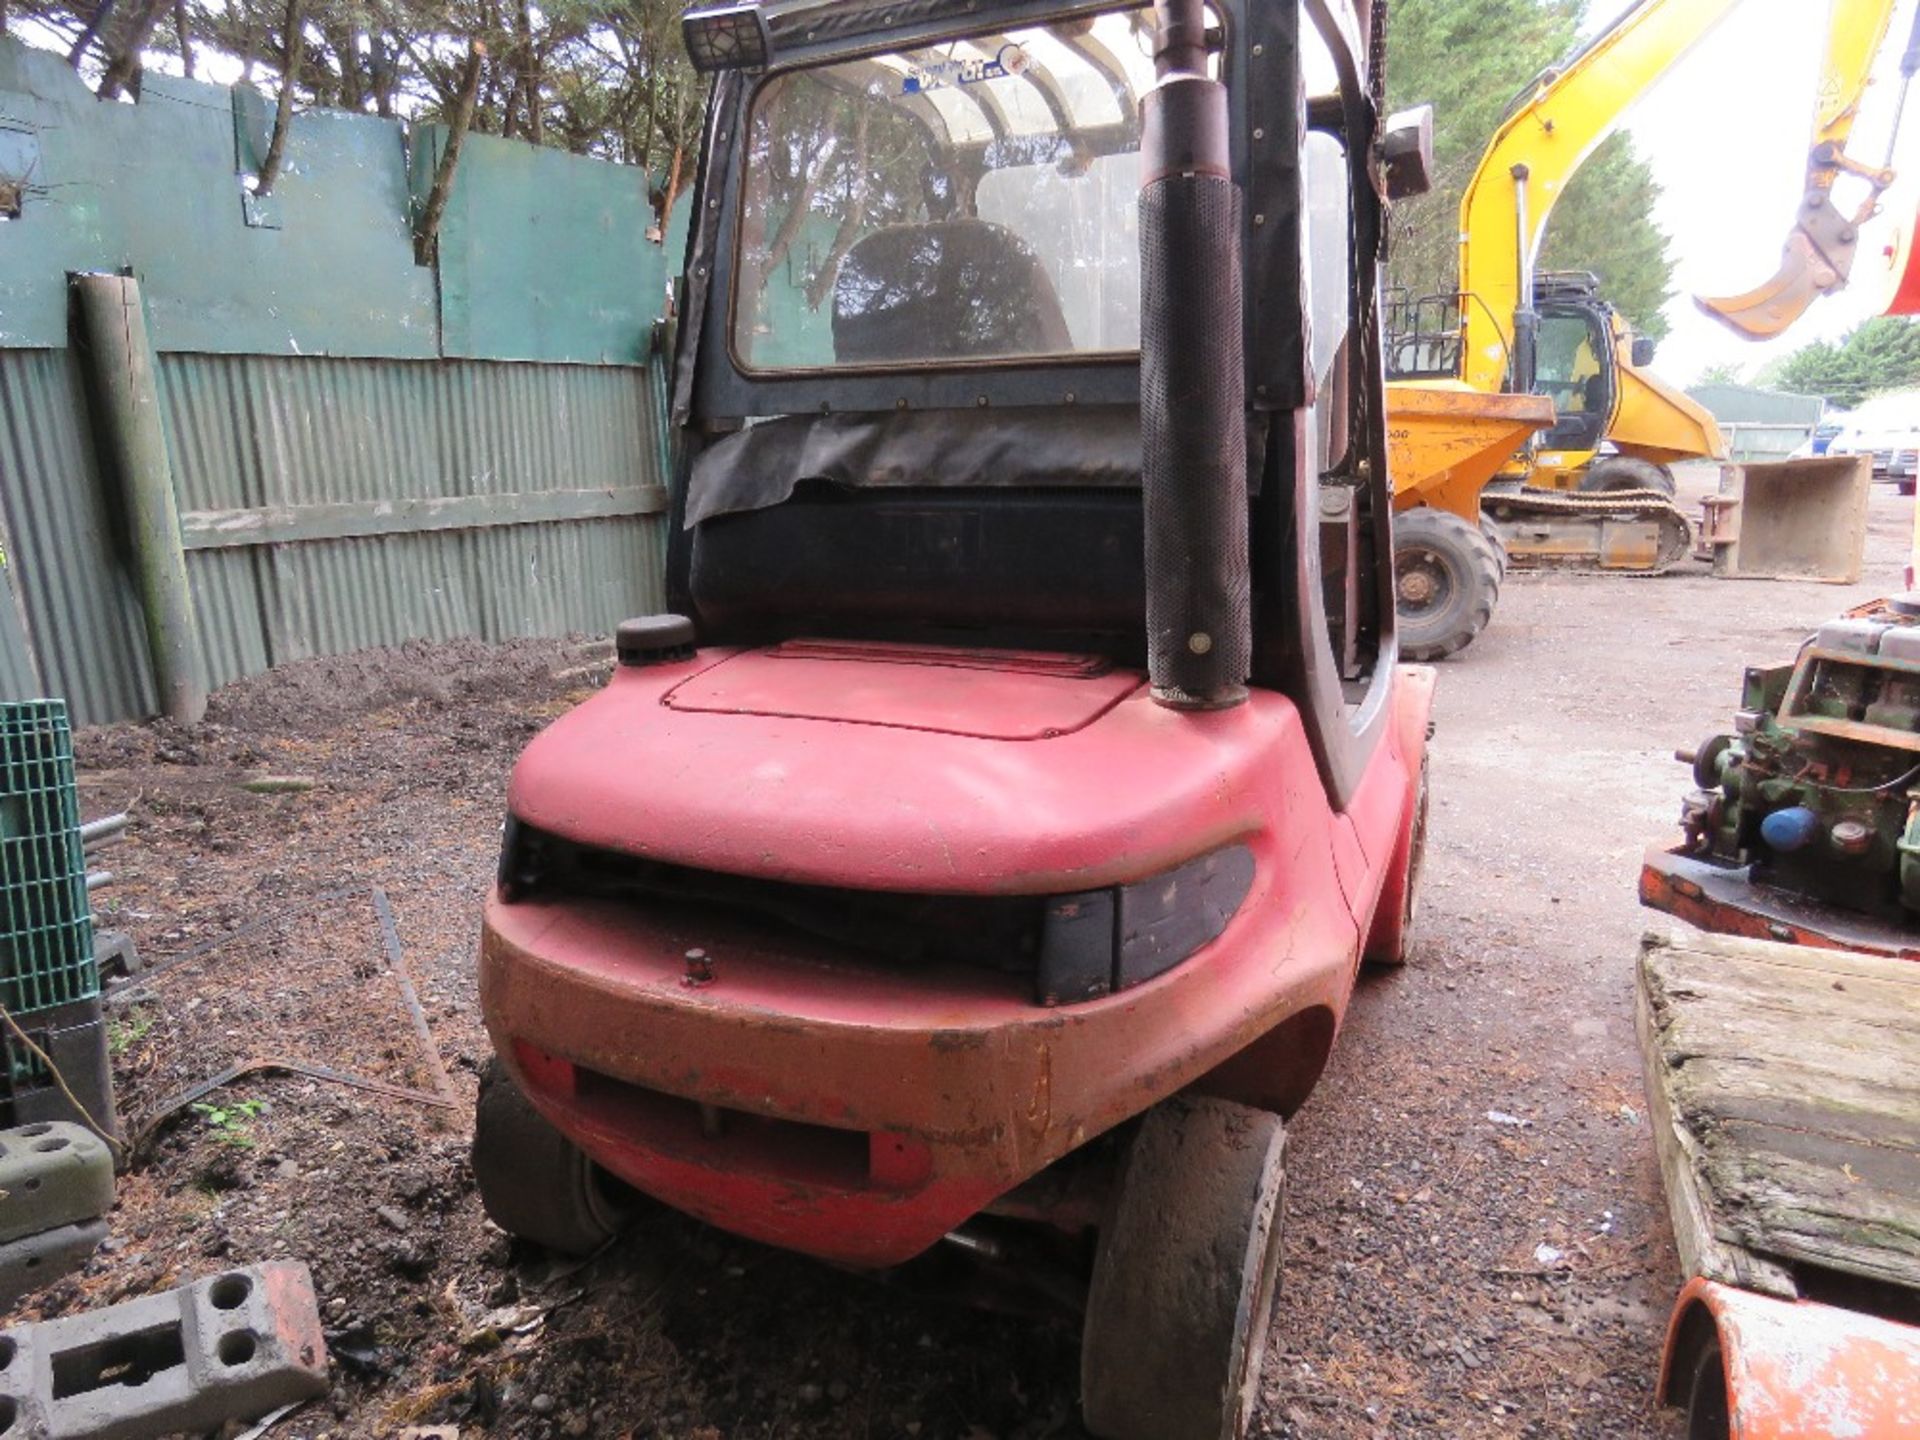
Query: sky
{"x": 1726, "y": 131}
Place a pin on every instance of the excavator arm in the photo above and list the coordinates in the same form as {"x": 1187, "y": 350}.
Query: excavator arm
{"x": 1818, "y": 256}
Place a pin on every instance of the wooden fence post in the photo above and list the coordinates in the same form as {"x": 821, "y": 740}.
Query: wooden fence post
{"x": 120, "y": 365}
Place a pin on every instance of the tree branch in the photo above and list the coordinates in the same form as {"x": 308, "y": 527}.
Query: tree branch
{"x": 283, "y": 112}
{"x": 427, "y": 246}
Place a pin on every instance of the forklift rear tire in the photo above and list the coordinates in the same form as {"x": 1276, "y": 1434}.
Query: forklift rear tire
{"x": 1625, "y": 472}
{"x": 533, "y": 1181}
{"x": 1185, "y": 1276}
{"x": 1447, "y": 579}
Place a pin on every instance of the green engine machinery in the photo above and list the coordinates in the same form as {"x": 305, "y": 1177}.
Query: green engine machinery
{"x": 1817, "y": 791}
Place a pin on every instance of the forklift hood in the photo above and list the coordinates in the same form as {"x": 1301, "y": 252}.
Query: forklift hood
{"x": 985, "y": 772}
{"x": 1034, "y": 696}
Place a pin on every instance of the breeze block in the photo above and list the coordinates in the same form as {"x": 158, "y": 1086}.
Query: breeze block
{"x": 52, "y": 1174}
{"x": 230, "y": 1347}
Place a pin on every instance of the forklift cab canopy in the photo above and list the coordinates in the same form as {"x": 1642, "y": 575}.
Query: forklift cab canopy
{"x": 908, "y": 374}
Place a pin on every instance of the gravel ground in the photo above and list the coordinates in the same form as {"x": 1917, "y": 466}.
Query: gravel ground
{"x": 1477, "y": 1243}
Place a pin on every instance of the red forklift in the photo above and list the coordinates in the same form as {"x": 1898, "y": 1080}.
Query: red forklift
{"x": 987, "y": 843}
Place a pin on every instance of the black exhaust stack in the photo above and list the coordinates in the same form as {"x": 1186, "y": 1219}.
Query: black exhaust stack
{"x": 1193, "y": 424}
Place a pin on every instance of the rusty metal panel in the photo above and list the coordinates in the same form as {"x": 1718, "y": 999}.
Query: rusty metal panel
{"x": 79, "y": 605}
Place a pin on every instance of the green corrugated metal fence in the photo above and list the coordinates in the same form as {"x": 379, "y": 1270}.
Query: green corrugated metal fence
{"x": 364, "y": 450}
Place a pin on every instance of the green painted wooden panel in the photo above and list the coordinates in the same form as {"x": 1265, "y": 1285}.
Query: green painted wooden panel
{"x": 153, "y": 188}
{"x": 543, "y": 254}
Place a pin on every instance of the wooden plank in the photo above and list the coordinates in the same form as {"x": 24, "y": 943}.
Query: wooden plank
{"x": 284, "y": 524}
{"x": 1802, "y": 1197}
{"x": 1783, "y": 956}
{"x": 1702, "y": 1252}
{"x": 1785, "y": 1086}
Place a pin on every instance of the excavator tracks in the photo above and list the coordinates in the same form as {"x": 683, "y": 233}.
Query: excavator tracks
{"x": 1639, "y": 531}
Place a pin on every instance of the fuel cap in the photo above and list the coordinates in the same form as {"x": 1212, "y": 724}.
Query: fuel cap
{"x": 653, "y": 639}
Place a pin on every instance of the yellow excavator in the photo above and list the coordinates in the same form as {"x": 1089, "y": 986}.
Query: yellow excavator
{"x": 1474, "y": 374}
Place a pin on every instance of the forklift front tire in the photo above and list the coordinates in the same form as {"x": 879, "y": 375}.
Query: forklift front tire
{"x": 1185, "y": 1276}
{"x": 1447, "y": 580}
{"x": 533, "y": 1181}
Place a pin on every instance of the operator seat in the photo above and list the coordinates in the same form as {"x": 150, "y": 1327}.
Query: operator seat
{"x": 946, "y": 290}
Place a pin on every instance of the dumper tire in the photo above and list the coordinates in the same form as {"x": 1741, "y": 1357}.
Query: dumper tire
{"x": 533, "y": 1181}
{"x": 1490, "y": 528}
{"x": 1446, "y": 580}
{"x": 1185, "y": 1275}
{"x": 1625, "y": 472}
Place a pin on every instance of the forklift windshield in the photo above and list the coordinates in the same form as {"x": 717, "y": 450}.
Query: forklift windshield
{"x": 974, "y": 201}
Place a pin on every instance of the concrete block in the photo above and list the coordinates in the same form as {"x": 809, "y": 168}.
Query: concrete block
{"x": 52, "y": 1174}
{"x": 30, "y": 1262}
{"x": 75, "y": 1039}
{"x": 230, "y": 1347}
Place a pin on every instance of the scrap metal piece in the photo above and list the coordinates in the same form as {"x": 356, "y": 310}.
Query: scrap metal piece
{"x": 31, "y": 1261}
{"x": 230, "y": 1347}
{"x": 52, "y": 1174}
{"x": 1789, "y": 1370}
{"x": 278, "y": 1064}
{"x": 140, "y": 987}
{"x": 397, "y": 962}
{"x": 1727, "y": 900}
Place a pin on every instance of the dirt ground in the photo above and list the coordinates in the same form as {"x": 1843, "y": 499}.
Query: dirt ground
{"x": 1476, "y": 1244}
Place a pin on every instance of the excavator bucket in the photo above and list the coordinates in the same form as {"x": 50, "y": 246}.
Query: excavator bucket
{"x": 1761, "y": 1368}
{"x": 1815, "y": 261}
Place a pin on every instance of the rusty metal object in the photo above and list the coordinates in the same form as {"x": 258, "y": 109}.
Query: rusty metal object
{"x": 1728, "y": 901}
{"x": 1761, "y": 1368}
{"x": 443, "y": 1096}
{"x": 275, "y": 1064}
{"x": 397, "y": 963}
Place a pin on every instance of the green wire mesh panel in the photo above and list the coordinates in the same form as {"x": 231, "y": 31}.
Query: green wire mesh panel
{"x": 46, "y": 929}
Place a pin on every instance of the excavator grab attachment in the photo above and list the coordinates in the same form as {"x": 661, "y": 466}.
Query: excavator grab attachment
{"x": 1816, "y": 261}
{"x": 1818, "y": 256}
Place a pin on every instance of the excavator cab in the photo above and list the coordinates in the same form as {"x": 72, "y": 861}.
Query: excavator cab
{"x": 1574, "y": 368}
{"x": 974, "y": 867}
